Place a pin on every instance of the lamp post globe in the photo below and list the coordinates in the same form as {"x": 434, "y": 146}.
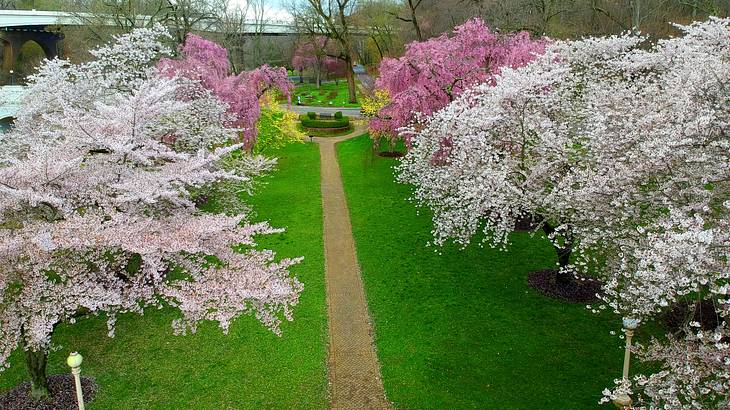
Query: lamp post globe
{"x": 74, "y": 360}
{"x": 630, "y": 323}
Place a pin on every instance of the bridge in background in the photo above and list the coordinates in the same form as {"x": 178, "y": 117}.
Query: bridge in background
{"x": 34, "y": 18}
{"x": 17, "y": 27}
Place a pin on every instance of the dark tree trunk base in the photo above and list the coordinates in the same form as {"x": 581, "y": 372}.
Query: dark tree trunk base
{"x": 681, "y": 313}
{"x": 525, "y": 224}
{"x": 36, "y": 361}
{"x": 63, "y": 394}
{"x": 581, "y": 290}
{"x": 391, "y": 154}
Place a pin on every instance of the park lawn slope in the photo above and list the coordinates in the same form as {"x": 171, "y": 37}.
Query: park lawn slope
{"x": 460, "y": 328}
{"x": 146, "y": 367}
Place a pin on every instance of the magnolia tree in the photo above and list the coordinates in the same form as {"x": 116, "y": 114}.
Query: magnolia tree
{"x": 95, "y": 208}
{"x": 622, "y": 154}
{"x": 207, "y": 62}
{"x": 432, "y": 73}
{"x": 315, "y": 54}
{"x": 335, "y": 69}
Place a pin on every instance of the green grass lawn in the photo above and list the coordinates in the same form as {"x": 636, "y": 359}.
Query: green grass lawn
{"x": 460, "y": 328}
{"x": 329, "y": 92}
{"x": 146, "y": 367}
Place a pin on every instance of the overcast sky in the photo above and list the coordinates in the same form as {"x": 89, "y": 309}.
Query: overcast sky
{"x": 275, "y": 9}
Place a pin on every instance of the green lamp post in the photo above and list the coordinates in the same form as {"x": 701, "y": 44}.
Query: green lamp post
{"x": 74, "y": 362}
{"x": 623, "y": 401}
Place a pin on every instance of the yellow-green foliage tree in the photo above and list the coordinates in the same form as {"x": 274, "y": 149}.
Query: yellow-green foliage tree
{"x": 371, "y": 106}
{"x": 276, "y": 126}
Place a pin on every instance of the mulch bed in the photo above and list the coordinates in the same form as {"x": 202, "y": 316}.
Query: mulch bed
{"x": 63, "y": 394}
{"x": 391, "y": 154}
{"x": 580, "y": 291}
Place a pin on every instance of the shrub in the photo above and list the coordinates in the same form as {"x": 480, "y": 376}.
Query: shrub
{"x": 311, "y": 115}
{"x": 338, "y": 115}
{"x": 334, "y": 123}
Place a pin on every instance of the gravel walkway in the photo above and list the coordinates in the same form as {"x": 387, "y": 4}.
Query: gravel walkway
{"x": 354, "y": 371}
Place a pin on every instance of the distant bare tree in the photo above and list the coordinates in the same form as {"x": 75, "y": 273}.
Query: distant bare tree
{"x": 231, "y": 27}
{"x": 332, "y": 19}
{"x": 184, "y": 16}
{"x": 412, "y": 6}
{"x": 383, "y": 33}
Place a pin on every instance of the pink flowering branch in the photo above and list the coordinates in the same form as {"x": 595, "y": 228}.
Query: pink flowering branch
{"x": 207, "y": 62}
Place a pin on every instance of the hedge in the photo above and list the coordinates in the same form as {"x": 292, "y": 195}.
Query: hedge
{"x": 334, "y": 123}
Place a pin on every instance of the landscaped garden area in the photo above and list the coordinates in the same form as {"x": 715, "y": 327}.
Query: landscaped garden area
{"x": 328, "y": 94}
{"x": 510, "y": 221}
{"x": 325, "y": 125}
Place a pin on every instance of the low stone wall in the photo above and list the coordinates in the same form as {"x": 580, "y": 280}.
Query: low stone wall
{"x": 333, "y": 130}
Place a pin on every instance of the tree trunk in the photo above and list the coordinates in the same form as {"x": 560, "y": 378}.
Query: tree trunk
{"x": 635, "y": 16}
{"x": 36, "y": 362}
{"x": 319, "y": 78}
{"x": 414, "y": 20}
{"x": 563, "y": 276}
{"x": 301, "y": 77}
{"x": 350, "y": 74}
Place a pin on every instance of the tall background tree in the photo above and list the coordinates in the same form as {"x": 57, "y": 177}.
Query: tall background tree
{"x": 412, "y": 6}
{"x": 332, "y": 19}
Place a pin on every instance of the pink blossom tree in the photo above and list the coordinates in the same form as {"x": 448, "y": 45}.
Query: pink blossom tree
{"x": 207, "y": 62}
{"x": 432, "y": 73}
{"x": 335, "y": 68}
{"x": 316, "y": 54}
{"x": 96, "y": 209}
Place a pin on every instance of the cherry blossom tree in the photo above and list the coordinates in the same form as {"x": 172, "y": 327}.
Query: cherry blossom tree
{"x": 207, "y": 62}
{"x": 503, "y": 150}
{"x": 315, "y": 54}
{"x": 96, "y": 215}
{"x": 621, "y": 152}
{"x": 335, "y": 69}
{"x": 662, "y": 124}
{"x": 432, "y": 73}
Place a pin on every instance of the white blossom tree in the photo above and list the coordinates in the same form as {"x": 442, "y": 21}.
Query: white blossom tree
{"x": 664, "y": 129}
{"x": 505, "y": 151}
{"x": 96, "y": 215}
{"x": 622, "y": 153}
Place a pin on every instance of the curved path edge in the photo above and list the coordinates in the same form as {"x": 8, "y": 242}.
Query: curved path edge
{"x": 353, "y": 368}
